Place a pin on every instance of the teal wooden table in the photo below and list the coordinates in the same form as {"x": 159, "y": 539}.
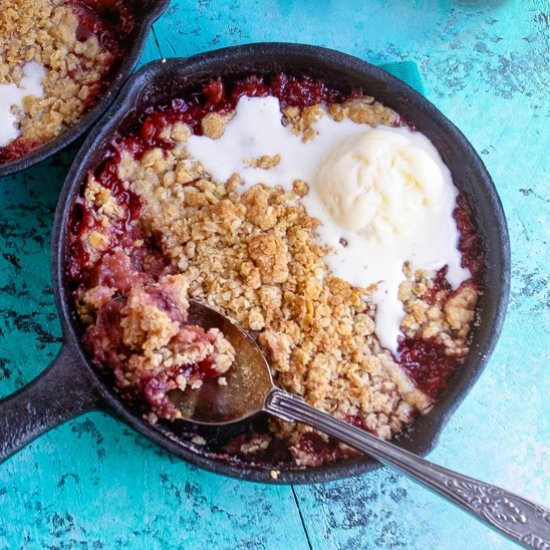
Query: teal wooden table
{"x": 93, "y": 483}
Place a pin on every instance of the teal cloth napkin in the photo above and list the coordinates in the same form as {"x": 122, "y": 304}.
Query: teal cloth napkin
{"x": 407, "y": 71}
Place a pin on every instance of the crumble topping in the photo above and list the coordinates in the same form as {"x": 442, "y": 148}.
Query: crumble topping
{"x": 255, "y": 256}
{"x": 213, "y": 124}
{"x": 265, "y": 162}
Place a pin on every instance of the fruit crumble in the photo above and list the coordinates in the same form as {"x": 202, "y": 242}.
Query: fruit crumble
{"x": 56, "y": 59}
{"x": 144, "y": 337}
{"x": 269, "y": 244}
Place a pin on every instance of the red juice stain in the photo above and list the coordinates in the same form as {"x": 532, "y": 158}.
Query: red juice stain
{"x": 83, "y": 220}
{"x": 207, "y": 368}
{"x": 440, "y": 288}
{"x": 203, "y": 370}
{"x": 317, "y": 447}
{"x": 427, "y": 364}
{"x": 110, "y": 21}
{"x": 358, "y": 419}
{"x": 302, "y": 92}
{"x": 16, "y": 149}
{"x": 470, "y": 243}
{"x": 323, "y": 451}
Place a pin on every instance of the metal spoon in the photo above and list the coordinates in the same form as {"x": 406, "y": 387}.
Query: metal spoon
{"x": 250, "y": 389}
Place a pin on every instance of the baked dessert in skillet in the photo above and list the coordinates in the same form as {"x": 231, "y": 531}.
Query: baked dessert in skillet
{"x": 322, "y": 223}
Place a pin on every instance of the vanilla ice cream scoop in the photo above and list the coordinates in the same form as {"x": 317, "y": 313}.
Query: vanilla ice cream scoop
{"x": 380, "y": 184}
{"x": 388, "y": 194}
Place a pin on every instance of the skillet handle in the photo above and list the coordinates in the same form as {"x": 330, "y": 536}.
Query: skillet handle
{"x": 523, "y": 521}
{"x": 63, "y": 391}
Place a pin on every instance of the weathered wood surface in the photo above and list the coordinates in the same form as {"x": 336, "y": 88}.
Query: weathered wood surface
{"x": 95, "y": 484}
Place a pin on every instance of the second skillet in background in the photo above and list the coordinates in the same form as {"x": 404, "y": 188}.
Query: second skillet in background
{"x": 64, "y": 62}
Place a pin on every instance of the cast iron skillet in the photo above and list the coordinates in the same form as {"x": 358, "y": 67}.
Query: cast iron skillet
{"x": 71, "y": 386}
{"x": 146, "y": 12}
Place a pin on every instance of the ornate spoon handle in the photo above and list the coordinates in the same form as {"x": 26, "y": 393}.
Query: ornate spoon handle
{"x": 522, "y": 521}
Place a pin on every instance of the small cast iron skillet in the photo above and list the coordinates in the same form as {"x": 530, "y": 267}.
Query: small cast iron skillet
{"x": 146, "y": 12}
{"x": 71, "y": 386}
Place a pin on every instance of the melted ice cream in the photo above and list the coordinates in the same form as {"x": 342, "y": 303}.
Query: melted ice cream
{"x": 12, "y": 95}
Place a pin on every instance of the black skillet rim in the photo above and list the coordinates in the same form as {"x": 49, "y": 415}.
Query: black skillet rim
{"x": 152, "y": 10}
{"x": 430, "y": 425}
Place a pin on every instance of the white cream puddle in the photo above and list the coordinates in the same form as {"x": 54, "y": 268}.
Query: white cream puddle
{"x": 386, "y": 191}
{"x": 12, "y": 95}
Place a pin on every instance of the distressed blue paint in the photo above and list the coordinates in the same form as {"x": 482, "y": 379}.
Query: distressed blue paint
{"x": 93, "y": 483}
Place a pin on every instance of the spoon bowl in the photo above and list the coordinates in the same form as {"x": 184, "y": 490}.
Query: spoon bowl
{"x": 249, "y": 380}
